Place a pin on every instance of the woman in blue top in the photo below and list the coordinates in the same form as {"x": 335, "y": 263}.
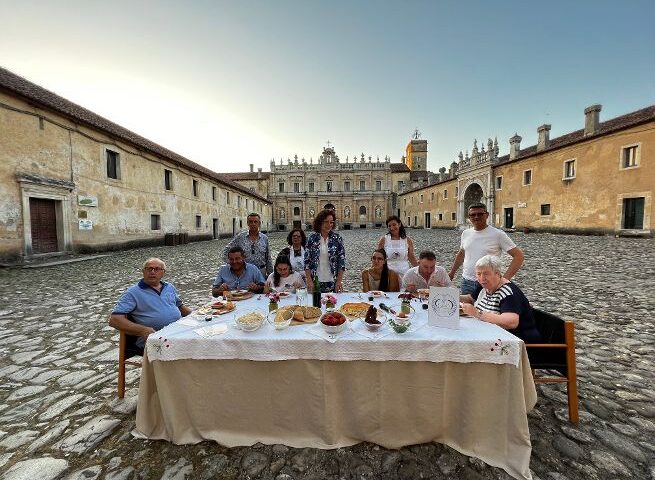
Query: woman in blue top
{"x": 325, "y": 255}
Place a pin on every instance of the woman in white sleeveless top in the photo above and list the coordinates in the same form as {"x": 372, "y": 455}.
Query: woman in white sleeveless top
{"x": 398, "y": 246}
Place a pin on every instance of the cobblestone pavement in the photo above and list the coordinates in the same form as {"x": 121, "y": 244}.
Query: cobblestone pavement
{"x": 60, "y": 418}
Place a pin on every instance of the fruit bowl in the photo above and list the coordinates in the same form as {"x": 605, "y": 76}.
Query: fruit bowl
{"x": 333, "y": 322}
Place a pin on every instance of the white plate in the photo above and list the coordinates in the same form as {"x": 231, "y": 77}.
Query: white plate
{"x": 238, "y": 292}
{"x": 375, "y": 293}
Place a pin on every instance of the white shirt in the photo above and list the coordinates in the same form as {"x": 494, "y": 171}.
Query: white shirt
{"x": 286, "y": 283}
{"x": 476, "y": 244}
{"x": 397, "y": 254}
{"x": 439, "y": 278}
{"x": 324, "y": 272}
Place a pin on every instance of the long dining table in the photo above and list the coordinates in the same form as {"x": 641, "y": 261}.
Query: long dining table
{"x": 470, "y": 388}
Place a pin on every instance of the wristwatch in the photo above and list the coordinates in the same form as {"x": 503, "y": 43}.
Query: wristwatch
{"x": 479, "y": 314}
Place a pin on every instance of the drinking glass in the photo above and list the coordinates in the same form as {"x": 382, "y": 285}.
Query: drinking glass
{"x": 301, "y": 296}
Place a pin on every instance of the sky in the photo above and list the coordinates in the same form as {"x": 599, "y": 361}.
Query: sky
{"x": 228, "y": 84}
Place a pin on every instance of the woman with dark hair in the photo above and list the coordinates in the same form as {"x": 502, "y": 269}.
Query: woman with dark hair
{"x": 398, "y": 246}
{"x": 296, "y": 250}
{"x": 325, "y": 255}
{"x": 283, "y": 279}
{"x": 378, "y": 276}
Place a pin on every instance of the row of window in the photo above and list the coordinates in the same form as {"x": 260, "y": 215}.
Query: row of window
{"x": 453, "y": 217}
{"x": 155, "y": 221}
{"x": 113, "y": 171}
{"x": 281, "y": 186}
{"x": 629, "y": 159}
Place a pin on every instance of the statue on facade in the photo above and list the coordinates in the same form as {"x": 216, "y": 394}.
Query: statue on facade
{"x": 312, "y": 212}
{"x": 283, "y": 214}
{"x": 378, "y": 211}
{"x": 346, "y": 212}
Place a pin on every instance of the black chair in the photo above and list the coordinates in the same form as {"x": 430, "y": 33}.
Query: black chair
{"x": 127, "y": 348}
{"x": 556, "y": 354}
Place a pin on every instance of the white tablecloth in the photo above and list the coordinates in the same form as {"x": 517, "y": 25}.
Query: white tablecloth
{"x": 449, "y": 387}
{"x": 475, "y": 341}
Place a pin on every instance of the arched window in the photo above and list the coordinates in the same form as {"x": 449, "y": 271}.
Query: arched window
{"x": 296, "y": 211}
{"x": 362, "y": 210}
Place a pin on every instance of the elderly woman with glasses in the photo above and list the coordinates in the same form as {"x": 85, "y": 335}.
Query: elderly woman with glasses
{"x": 378, "y": 276}
{"x": 325, "y": 255}
{"x": 500, "y": 301}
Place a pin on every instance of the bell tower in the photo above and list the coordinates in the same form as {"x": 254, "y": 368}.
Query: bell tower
{"x": 416, "y": 153}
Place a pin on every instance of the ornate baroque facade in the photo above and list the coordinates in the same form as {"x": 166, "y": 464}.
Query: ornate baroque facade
{"x": 362, "y": 192}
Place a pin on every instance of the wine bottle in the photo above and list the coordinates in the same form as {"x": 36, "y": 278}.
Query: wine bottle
{"x": 316, "y": 293}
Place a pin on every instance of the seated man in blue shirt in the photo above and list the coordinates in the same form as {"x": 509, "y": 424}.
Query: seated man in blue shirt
{"x": 238, "y": 275}
{"x": 150, "y": 304}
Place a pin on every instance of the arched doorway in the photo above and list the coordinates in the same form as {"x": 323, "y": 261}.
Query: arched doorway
{"x": 329, "y": 206}
{"x": 473, "y": 194}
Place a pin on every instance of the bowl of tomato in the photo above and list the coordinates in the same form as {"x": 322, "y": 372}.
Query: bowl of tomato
{"x": 333, "y": 322}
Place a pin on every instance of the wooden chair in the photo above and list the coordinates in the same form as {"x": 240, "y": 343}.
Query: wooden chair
{"x": 556, "y": 353}
{"x": 127, "y": 349}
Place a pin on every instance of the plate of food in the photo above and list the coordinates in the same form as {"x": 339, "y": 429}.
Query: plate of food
{"x": 221, "y": 307}
{"x": 239, "y": 295}
{"x": 399, "y": 315}
{"x": 284, "y": 294}
{"x": 423, "y": 292}
{"x": 354, "y": 309}
{"x": 300, "y": 315}
{"x": 375, "y": 293}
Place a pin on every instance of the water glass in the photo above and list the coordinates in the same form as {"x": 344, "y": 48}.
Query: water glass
{"x": 301, "y": 296}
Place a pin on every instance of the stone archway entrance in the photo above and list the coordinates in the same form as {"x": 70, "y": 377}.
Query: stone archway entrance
{"x": 473, "y": 194}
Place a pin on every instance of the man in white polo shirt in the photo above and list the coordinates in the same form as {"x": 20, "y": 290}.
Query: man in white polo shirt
{"x": 481, "y": 240}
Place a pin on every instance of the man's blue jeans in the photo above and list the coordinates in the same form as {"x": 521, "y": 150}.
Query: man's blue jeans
{"x": 469, "y": 286}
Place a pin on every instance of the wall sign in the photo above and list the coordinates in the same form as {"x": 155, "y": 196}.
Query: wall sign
{"x": 87, "y": 201}
{"x": 86, "y": 224}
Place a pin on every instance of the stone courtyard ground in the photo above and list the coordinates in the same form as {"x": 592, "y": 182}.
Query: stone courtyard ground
{"x": 60, "y": 418}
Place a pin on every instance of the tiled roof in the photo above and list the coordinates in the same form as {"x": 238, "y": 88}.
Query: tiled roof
{"x": 235, "y": 176}
{"x": 399, "y": 168}
{"x": 610, "y": 126}
{"x": 39, "y": 96}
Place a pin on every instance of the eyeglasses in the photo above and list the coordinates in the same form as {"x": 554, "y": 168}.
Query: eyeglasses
{"x": 252, "y": 249}
{"x": 474, "y": 215}
{"x": 154, "y": 269}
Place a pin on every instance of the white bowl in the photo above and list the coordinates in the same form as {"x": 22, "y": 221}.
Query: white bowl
{"x": 277, "y": 323}
{"x": 250, "y": 321}
{"x": 332, "y": 329}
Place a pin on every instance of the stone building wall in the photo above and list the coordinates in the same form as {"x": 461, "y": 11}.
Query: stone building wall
{"x": 592, "y": 200}
{"x": 52, "y": 157}
{"x": 438, "y": 200}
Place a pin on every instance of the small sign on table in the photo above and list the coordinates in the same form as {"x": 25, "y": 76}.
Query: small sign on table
{"x": 443, "y": 307}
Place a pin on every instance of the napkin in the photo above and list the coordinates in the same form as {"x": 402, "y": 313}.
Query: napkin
{"x": 360, "y": 329}
{"x": 211, "y": 330}
{"x": 188, "y": 321}
{"x": 318, "y": 330}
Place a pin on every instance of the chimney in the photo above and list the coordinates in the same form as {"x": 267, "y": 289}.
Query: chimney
{"x": 514, "y": 146}
{"x": 252, "y": 166}
{"x": 544, "y": 137}
{"x": 259, "y": 173}
{"x": 591, "y": 115}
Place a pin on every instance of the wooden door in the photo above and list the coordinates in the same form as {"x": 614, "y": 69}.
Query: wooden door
{"x": 44, "y": 225}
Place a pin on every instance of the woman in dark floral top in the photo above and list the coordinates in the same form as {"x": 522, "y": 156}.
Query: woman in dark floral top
{"x": 325, "y": 255}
